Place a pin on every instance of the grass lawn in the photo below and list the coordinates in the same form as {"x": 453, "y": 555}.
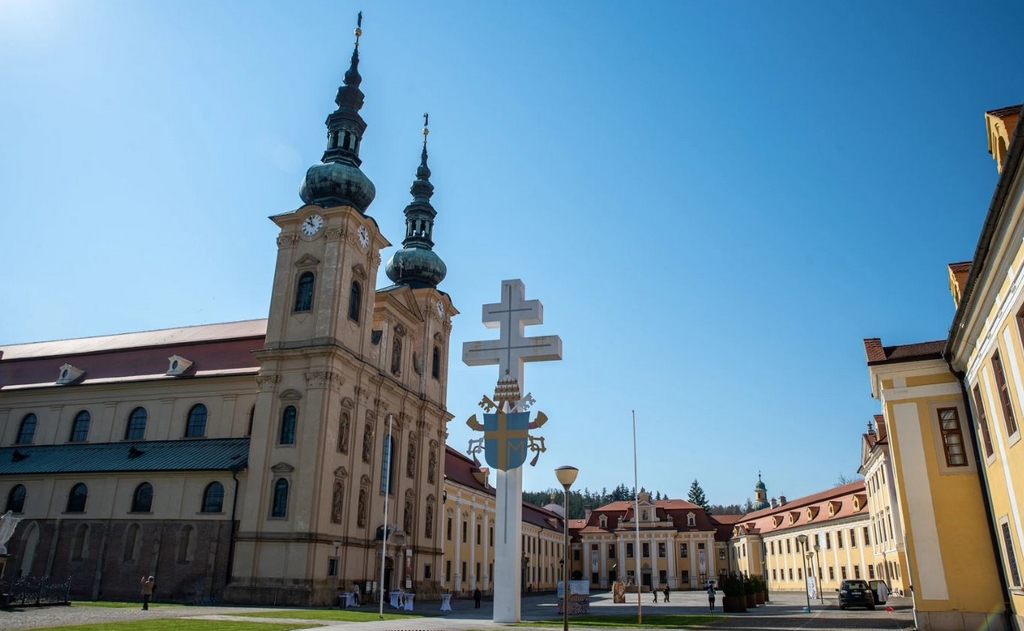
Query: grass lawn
{"x": 344, "y": 615}
{"x": 118, "y": 604}
{"x": 182, "y": 624}
{"x": 624, "y": 621}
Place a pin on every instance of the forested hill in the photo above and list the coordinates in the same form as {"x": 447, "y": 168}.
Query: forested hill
{"x": 578, "y": 500}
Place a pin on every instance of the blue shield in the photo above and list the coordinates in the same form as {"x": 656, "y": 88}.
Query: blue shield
{"x": 505, "y": 439}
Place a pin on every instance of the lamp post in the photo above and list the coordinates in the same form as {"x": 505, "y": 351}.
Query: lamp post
{"x": 817, "y": 565}
{"x": 566, "y": 476}
{"x": 803, "y": 555}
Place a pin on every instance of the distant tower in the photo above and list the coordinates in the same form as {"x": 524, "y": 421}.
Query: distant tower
{"x": 760, "y": 494}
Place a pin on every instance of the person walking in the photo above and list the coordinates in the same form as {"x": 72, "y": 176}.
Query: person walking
{"x": 477, "y": 595}
{"x": 711, "y": 595}
{"x": 655, "y": 592}
{"x": 147, "y": 591}
{"x": 666, "y": 592}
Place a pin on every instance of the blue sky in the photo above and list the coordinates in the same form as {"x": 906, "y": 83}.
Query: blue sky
{"x": 715, "y": 202}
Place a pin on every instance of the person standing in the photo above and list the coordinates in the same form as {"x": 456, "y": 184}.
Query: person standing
{"x": 711, "y": 595}
{"x": 655, "y": 592}
{"x": 476, "y": 598}
{"x": 883, "y": 592}
{"x": 147, "y": 591}
{"x": 666, "y": 592}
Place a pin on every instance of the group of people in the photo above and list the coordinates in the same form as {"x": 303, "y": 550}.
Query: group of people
{"x": 664, "y": 591}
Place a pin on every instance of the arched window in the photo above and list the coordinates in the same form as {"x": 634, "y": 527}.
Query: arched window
{"x": 287, "y": 436}
{"x": 355, "y": 296}
{"x": 280, "y": 505}
{"x": 386, "y": 466}
{"x": 80, "y": 428}
{"x": 16, "y": 499}
{"x": 435, "y": 364}
{"x": 27, "y": 431}
{"x": 196, "y": 427}
{"x": 142, "y": 500}
{"x": 78, "y": 545}
{"x": 77, "y": 498}
{"x": 132, "y": 542}
{"x": 213, "y": 498}
{"x": 136, "y": 429}
{"x": 304, "y": 292}
{"x": 396, "y": 355}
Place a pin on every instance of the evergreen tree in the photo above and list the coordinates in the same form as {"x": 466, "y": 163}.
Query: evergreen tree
{"x": 696, "y": 495}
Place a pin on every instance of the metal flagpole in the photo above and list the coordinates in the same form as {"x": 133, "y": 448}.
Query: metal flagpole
{"x": 636, "y": 519}
{"x": 387, "y": 492}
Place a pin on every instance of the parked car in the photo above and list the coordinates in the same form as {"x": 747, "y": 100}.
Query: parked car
{"x": 856, "y": 593}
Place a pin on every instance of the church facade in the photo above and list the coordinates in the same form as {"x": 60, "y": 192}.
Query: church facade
{"x": 250, "y": 461}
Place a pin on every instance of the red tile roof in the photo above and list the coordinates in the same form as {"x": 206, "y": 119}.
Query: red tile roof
{"x": 1002, "y": 112}
{"x": 878, "y": 354}
{"x": 213, "y": 348}
{"x": 964, "y": 266}
{"x": 842, "y": 496}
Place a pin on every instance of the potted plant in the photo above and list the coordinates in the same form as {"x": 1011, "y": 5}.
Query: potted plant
{"x": 758, "y": 584}
{"x": 733, "y": 598}
{"x": 748, "y": 592}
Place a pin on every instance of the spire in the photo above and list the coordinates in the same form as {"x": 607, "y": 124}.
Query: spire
{"x": 338, "y": 181}
{"x": 416, "y": 265}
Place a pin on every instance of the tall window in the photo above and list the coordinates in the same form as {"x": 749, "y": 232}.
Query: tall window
{"x": 435, "y": 364}
{"x": 80, "y": 428}
{"x": 986, "y": 437}
{"x": 77, "y": 498}
{"x": 355, "y": 296}
{"x": 142, "y": 500}
{"x": 213, "y": 498}
{"x": 684, "y": 550}
{"x": 27, "y": 431}
{"x": 280, "y": 503}
{"x": 16, "y": 499}
{"x": 304, "y": 292}
{"x": 136, "y": 428}
{"x": 196, "y": 427}
{"x": 386, "y": 465}
{"x": 952, "y": 437}
{"x": 1011, "y": 555}
{"x": 1004, "y": 395}
{"x": 629, "y": 551}
{"x": 288, "y": 426}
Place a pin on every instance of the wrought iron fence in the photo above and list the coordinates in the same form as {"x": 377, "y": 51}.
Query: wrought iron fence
{"x": 30, "y": 591}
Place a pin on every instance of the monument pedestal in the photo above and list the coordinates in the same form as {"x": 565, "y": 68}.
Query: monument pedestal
{"x": 508, "y": 528}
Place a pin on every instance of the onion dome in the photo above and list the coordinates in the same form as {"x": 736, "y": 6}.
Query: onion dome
{"x": 337, "y": 181}
{"x": 760, "y": 485}
{"x": 416, "y": 264}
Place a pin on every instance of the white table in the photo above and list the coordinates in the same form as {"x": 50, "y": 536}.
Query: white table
{"x": 394, "y": 598}
{"x": 446, "y": 602}
{"x": 408, "y": 601}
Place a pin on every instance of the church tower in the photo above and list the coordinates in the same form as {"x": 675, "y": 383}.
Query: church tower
{"x": 347, "y": 437}
{"x": 760, "y": 494}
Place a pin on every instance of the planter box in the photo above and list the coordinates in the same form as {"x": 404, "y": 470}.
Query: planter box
{"x": 751, "y": 601}
{"x": 760, "y": 598}
{"x": 734, "y": 604}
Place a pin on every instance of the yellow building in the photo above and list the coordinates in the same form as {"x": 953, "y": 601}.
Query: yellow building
{"x": 468, "y": 537}
{"x": 826, "y": 535}
{"x": 886, "y": 530}
{"x": 952, "y": 564}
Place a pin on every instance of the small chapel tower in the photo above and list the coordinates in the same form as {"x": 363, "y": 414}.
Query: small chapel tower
{"x": 760, "y": 494}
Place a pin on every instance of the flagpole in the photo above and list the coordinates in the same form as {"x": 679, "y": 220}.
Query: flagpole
{"x": 387, "y": 492}
{"x": 636, "y": 520}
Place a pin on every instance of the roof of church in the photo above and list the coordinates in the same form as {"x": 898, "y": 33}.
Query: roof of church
{"x": 459, "y": 468}
{"x": 212, "y": 454}
{"x": 214, "y": 350}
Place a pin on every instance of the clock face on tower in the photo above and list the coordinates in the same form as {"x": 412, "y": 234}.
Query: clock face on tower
{"x": 364, "y": 237}
{"x": 312, "y": 225}
{"x": 440, "y": 309}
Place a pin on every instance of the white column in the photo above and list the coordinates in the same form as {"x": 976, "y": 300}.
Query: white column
{"x": 457, "y": 577}
{"x": 486, "y": 534}
{"x": 472, "y": 550}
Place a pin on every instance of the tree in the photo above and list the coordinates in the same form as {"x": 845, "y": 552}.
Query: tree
{"x": 844, "y": 479}
{"x": 696, "y": 495}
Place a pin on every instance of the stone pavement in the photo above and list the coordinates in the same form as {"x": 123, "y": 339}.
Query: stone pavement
{"x": 782, "y": 614}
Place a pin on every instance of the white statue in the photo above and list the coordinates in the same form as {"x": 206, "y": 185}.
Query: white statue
{"x": 8, "y": 522}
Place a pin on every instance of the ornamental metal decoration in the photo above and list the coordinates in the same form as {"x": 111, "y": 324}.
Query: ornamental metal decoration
{"x": 507, "y": 439}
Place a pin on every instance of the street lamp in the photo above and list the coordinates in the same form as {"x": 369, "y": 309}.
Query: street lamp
{"x": 803, "y": 543}
{"x": 566, "y": 476}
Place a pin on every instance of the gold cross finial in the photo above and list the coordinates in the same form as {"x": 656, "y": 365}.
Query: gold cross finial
{"x": 359, "y": 27}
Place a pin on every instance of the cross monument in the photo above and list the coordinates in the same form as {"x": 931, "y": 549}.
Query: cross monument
{"x": 510, "y": 351}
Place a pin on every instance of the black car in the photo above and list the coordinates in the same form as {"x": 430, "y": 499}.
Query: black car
{"x": 856, "y": 593}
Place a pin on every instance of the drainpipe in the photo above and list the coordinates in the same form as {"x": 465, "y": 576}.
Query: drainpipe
{"x": 231, "y": 533}
{"x": 983, "y": 482}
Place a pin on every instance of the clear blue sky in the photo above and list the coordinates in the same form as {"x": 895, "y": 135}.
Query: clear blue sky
{"x": 714, "y": 201}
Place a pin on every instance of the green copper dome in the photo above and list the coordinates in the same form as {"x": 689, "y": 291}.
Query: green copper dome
{"x": 416, "y": 264}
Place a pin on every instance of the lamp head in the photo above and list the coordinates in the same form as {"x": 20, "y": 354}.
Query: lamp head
{"x": 566, "y": 475}
{"x": 802, "y": 539}
{"x": 337, "y": 544}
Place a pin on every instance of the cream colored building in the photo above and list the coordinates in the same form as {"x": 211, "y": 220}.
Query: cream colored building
{"x": 468, "y": 537}
{"x": 886, "y": 531}
{"x": 250, "y": 461}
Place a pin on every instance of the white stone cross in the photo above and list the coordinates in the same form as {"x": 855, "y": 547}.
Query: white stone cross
{"x": 512, "y": 349}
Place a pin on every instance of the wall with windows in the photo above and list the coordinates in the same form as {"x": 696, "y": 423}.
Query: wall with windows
{"x": 884, "y": 533}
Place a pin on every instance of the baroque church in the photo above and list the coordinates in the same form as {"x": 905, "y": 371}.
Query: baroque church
{"x": 250, "y": 461}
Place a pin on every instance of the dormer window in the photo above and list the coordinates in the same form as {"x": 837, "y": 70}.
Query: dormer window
{"x": 177, "y": 365}
{"x": 69, "y": 374}
{"x": 643, "y": 516}
{"x": 604, "y": 521}
{"x": 691, "y": 520}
